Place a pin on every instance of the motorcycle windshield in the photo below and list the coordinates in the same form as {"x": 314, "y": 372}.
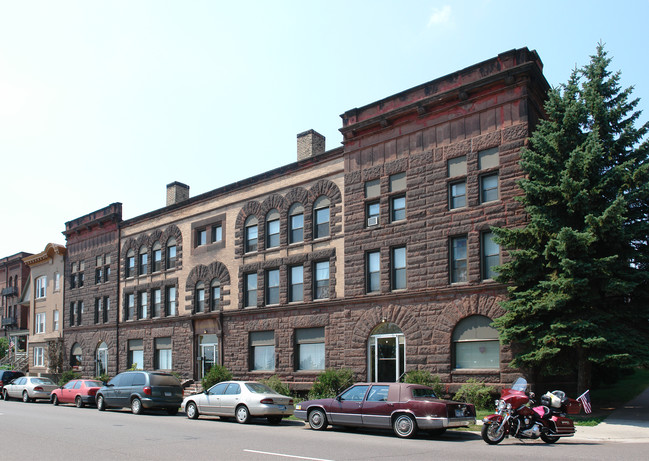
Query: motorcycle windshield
{"x": 519, "y": 385}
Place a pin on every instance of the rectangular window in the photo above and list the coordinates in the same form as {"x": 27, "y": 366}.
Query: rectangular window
{"x": 39, "y": 357}
{"x": 456, "y": 166}
{"x": 171, "y": 301}
{"x": 57, "y": 281}
{"x": 488, "y": 158}
{"x": 399, "y": 268}
{"x": 458, "y": 260}
{"x": 81, "y": 278}
{"x": 372, "y": 213}
{"x": 130, "y": 306}
{"x": 98, "y": 275}
{"x": 373, "y": 188}
{"x": 72, "y": 312}
{"x": 40, "y": 323}
{"x": 106, "y": 274}
{"x": 321, "y": 280}
{"x": 251, "y": 238}
{"x": 272, "y": 230}
{"x": 73, "y": 280}
{"x": 106, "y": 309}
{"x": 200, "y": 297}
{"x": 143, "y": 305}
{"x": 297, "y": 226}
{"x": 97, "y": 309}
{"x": 215, "y": 295}
{"x": 157, "y": 302}
{"x": 201, "y": 237}
{"x": 79, "y": 312}
{"x": 250, "y": 290}
{"x": 157, "y": 259}
{"x": 373, "y": 271}
{"x": 457, "y": 195}
{"x": 171, "y": 257}
{"x": 41, "y": 287}
{"x": 100, "y": 260}
{"x": 162, "y": 354}
{"x": 490, "y": 256}
{"x": 310, "y": 345}
{"x": 135, "y": 354}
{"x": 217, "y": 233}
{"x": 296, "y": 281}
{"x": 262, "y": 350}
{"x": 272, "y": 286}
{"x": 321, "y": 218}
{"x": 489, "y": 188}
{"x": 55, "y": 324}
{"x": 397, "y": 208}
{"x": 144, "y": 263}
{"x": 130, "y": 266}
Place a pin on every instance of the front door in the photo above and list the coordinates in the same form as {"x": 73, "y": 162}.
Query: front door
{"x": 208, "y": 352}
{"x": 386, "y": 355}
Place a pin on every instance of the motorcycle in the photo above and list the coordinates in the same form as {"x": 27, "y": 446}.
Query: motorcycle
{"x": 514, "y": 417}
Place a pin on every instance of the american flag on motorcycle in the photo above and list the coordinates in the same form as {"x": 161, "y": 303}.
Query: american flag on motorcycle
{"x": 584, "y": 399}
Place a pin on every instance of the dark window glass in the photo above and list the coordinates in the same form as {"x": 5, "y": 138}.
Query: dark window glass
{"x": 489, "y": 188}
{"x": 398, "y": 208}
{"x": 457, "y": 195}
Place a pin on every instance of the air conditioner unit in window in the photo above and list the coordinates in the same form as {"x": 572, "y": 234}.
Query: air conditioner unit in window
{"x": 372, "y": 221}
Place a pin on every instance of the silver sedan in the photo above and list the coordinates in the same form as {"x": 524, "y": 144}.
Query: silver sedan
{"x": 29, "y": 388}
{"x": 242, "y": 400}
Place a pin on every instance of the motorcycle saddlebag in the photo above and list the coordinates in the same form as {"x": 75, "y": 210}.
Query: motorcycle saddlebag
{"x": 573, "y": 407}
{"x": 563, "y": 426}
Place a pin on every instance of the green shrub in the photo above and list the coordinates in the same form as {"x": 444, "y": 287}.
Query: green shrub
{"x": 68, "y": 376}
{"x": 425, "y": 378}
{"x": 277, "y": 385}
{"x": 477, "y": 393}
{"x": 104, "y": 378}
{"x": 216, "y": 374}
{"x": 330, "y": 383}
{"x": 4, "y": 346}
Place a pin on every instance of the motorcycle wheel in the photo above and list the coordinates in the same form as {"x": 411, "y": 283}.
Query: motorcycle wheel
{"x": 491, "y": 435}
{"x": 549, "y": 439}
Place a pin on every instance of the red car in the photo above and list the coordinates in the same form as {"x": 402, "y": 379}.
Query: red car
{"x": 81, "y": 392}
{"x": 406, "y": 408}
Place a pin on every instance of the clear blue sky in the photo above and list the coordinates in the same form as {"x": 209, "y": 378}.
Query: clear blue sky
{"x": 109, "y": 101}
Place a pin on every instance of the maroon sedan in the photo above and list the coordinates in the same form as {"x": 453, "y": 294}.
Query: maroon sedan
{"x": 404, "y": 407}
{"x": 81, "y": 392}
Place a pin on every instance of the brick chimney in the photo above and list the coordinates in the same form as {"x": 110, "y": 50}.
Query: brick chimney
{"x": 177, "y": 192}
{"x": 309, "y": 144}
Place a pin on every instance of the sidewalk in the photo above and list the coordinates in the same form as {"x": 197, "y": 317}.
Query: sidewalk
{"x": 628, "y": 424}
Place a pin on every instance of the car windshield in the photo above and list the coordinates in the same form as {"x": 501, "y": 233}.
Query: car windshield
{"x": 259, "y": 388}
{"x": 94, "y": 384}
{"x": 164, "y": 380}
{"x": 42, "y": 381}
{"x": 423, "y": 393}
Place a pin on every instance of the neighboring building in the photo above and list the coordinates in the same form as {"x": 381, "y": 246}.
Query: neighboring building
{"x": 377, "y": 255}
{"x": 14, "y": 277}
{"x": 45, "y": 303}
{"x": 91, "y": 275}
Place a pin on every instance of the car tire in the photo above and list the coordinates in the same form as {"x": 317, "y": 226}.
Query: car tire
{"x": 6, "y": 395}
{"x": 26, "y": 398}
{"x": 55, "y": 400}
{"x": 101, "y": 403}
{"x": 242, "y": 414}
{"x": 274, "y": 420}
{"x": 191, "y": 410}
{"x": 136, "y": 406}
{"x": 317, "y": 419}
{"x": 404, "y": 426}
{"x": 78, "y": 402}
{"x": 172, "y": 411}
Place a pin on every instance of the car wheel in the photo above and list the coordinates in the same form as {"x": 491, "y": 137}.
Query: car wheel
{"x": 274, "y": 420}
{"x": 172, "y": 411}
{"x": 549, "y": 438}
{"x": 242, "y": 414}
{"x": 78, "y": 402}
{"x": 404, "y": 426}
{"x": 55, "y": 400}
{"x": 26, "y": 398}
{"x": 101, "y": 403}
{"x": 317, "y": 419}
{"x": 136, "y": 406}
{"x": 191, "y": 410}
{"x": 5, "y": 394}
{"x": 492, "y": 433}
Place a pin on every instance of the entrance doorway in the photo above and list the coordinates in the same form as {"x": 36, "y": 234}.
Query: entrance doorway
{"x": 102, "y": 360}
{"x": 209, "y": 353}
{"x": 386, "y": 353}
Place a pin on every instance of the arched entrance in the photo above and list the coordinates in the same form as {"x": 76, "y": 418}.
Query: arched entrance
{"x": 386, "y": 353}
{"x": 102, "y": 359}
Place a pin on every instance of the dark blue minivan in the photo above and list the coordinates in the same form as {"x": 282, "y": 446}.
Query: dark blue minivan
{"x": 140, "y": 390}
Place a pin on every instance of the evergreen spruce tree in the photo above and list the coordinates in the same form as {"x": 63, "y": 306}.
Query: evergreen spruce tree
{"x": 579, "y": 269}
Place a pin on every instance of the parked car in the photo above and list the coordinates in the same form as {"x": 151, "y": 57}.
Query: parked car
{"x": 81, "y": 392}
{"x": 29, "y": 388}
{"x": 6, "y": 376}
{"x": 141, "y": 390}
{"x": 242, "y": 400}
{"x": 406, "y": 408}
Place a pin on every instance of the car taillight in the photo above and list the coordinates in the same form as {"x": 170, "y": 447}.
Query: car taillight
{"x": 290, "y": 402}
{"x": 38, "y": 388}
{"x": 267, "y": 401}
{"x": 147, "y": 390}
{"x": 92, "y": 391}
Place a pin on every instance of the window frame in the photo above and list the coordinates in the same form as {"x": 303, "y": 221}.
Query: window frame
{"x": 293, "y": 285}
{"x": 485, "y": 268}
{"x": 319, "y": 283}
{"x": 40, "y": 323}
{"x": 320, "y": 339}
{"x": 484, "y": 191}
{"x": 251, "y": 244}
{"x": 370, "y": 274}
{"x": 250, "y": 299}
{"x": 272, "y": 291}
{"x": 297, "y": 209}
{"x": 453, "y": 259}
{"x": 321, "y": 227}
{"x": 396, "y": 271}
{"x": 261, "y": 339}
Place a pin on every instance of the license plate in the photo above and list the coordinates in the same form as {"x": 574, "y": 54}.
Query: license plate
{"x": 168, "y": 394}
{"x": 459, "y": 413}
{"x": 282, "y": 407}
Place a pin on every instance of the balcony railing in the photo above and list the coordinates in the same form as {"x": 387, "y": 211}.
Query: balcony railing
{"x": 9, "y": 322}
{"x": 10, "y": 291}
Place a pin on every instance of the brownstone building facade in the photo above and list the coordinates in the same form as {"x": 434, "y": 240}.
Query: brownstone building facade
{"x": 14, "y": 315}
{"x": 376, "y": 256}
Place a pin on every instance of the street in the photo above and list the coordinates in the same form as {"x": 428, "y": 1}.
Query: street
{"x": 41, "y": 430}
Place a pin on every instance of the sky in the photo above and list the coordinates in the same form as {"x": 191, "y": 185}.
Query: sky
{"x": 110, "y": 101}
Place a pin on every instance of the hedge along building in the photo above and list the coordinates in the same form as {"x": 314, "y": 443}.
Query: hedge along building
{"x": 376, "y": 256}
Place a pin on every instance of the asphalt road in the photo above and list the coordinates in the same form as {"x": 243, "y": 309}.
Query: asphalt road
{"x": 43, "y": 431}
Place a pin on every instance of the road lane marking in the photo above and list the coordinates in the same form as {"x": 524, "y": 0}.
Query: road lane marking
{"x": 286, "y": 456}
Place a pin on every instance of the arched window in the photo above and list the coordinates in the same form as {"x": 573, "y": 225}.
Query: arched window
{"x": 321, "y": 217}
{"x": 76, "y": 356}
{"x": 143, "y": 261}
{"x": 251, "y": 233}
{"x": 475, "y": 344}
{"x": 130, "y": 263}
{"x": 102, "y": 359}
{"x": 200, "y": 297}
{"x": 296, "y": 223}
{"x": 215, "y": 294}
{"x": 272, "y": 229}
{"x": 157, "y": 257}
{"x": 171, "y": 253}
